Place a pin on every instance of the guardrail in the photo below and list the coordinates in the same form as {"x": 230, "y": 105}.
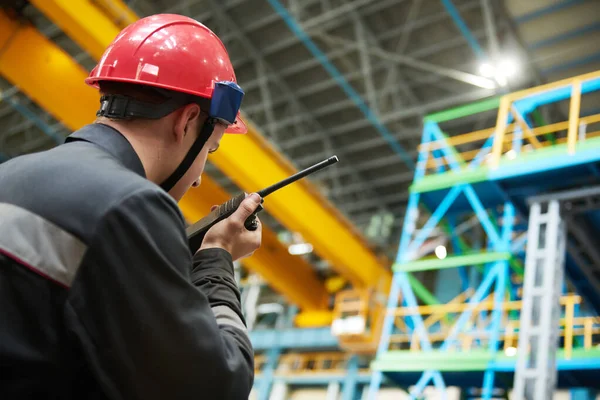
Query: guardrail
{"x": 440, "y": 153}
{"x": 576, "y": 332}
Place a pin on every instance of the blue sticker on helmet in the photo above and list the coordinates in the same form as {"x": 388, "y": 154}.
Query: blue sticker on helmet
{"x": 226, "y": 101}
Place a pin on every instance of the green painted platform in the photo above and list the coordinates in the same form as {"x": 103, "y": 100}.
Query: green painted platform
{"x": 445, "y": 361}
{"x": 425, "y": 264}
{"x": 557, "y": 155}
{"x": 454, "y": 361}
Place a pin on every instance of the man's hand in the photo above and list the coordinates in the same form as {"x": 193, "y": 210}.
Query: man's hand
{"x": 231, "y": 235}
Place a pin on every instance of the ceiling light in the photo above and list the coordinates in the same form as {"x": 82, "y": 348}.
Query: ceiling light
{"x": 510, "y": 351}
{"x": 441, "y": 252}
{"x": 300, "y": 249}
{"x": 487, "y": 70}
{"x": 507, "y": 68}
{"x": 501, "y": 79}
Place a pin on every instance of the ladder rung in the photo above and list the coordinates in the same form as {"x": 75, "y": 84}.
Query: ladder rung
{"x": 536, "y": 291}
{"x": 532, "y": 331}
{"x": 530, "y": 373}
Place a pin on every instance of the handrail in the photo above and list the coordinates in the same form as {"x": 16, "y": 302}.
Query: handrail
{"x": 511, "y": 129}
{"x": 434, "y": 161}
{"x": 506, "y": 105}
{"x": 313, "y": 363}
{"x": 479, "y": 328}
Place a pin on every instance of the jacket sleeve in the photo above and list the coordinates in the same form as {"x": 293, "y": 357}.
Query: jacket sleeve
{"x": 151, "y": 322}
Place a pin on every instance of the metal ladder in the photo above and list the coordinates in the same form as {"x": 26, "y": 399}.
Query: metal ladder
{"x": 536, "y": 375}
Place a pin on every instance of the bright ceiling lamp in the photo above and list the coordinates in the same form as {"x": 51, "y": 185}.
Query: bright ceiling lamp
{"x": 441, "y": 252}
{"x": 486, "y": 70}
{"x": 500, "y": 71}
{"x": 299, "y": 249}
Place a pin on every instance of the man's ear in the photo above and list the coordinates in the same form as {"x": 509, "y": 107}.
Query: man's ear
{"x": 185, "y": 121}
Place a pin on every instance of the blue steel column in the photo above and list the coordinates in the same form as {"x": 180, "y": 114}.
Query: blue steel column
{"x": 503, "y": 276}
{"x": 462, "y": 271}
{"x": 266, "y": 380}
{"x": 582, "y": 394}
{"x": 407, "y": 231}
{"x": 466, "y": 32}
{"x": 349, "y": 389}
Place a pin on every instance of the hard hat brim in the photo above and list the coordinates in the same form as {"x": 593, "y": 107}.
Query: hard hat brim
{"x": 238, "y": 127}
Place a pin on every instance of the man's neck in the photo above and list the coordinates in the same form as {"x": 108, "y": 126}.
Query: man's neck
{"x": 149, "y": 148}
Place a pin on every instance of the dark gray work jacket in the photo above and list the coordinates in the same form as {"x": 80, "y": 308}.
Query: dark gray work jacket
{"x": 100, "y": 297}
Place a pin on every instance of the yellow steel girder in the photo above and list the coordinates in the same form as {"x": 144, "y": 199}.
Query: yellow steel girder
{"x": 55, "y": 81}
{"x": 251, "y": 162}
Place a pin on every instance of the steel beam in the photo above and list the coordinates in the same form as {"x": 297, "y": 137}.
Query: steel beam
{"x": 400, "y": 48}
{"x": 344, "y": 104}
{"x": 347, "y": 47}
{"x": 297, "y": 206}
{"x": 572, "y": 195}
{"x": 461, "y": 76}
{"x": 368, "y": 113}
{"x": 295, "y": 106}
{"x": 466, "y": 32}
{"x": 317, "y": 24}
{"x": 40, "y": 73}
{"x": 55, "y": 81}
{"x": 68, "y": 13}
{"x": 365, "y": 63}
{"x": 397, "y": 115}
{"x": 329, "y": 25}
{"x": 378, "y": 67}
{"x": 490, "y": 28}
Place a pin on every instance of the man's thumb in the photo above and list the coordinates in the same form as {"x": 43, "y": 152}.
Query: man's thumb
{"x": 247, "y": 207}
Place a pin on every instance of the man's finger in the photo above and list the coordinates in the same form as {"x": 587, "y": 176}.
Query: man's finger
{"x": 248, "y": 206}
{"x": 213, "y": 208}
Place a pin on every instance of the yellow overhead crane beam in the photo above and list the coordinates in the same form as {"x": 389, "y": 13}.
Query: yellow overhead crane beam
{"x": 249, "y": 160}
{"x": 54, "y": 80}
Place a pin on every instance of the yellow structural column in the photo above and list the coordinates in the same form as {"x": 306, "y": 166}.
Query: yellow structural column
{"x": 54, "y": 80}
{"x": 574, "y": 110}
{"x": 252, "y": 163}
{"x": 501, "y": 123}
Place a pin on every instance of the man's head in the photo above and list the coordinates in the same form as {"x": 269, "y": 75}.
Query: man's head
{"x": 163, "y": 143}
{"x": 168, "y": 85}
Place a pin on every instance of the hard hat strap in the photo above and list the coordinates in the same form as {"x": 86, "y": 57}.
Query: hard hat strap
{"x": 188, "y": 160}
{"x": 118, "y": 106}
{"x": 223, "y": 107}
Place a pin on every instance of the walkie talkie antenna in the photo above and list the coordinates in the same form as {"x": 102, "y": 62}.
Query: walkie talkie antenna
{"x": 299, "y": 175}
{"x": 197, "y": 231}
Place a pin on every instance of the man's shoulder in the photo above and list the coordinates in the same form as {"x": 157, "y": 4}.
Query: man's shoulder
{"x": 75, "y": 189}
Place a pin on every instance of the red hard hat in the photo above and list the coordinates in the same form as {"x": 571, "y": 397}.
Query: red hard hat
{"x": 168, "y": 51}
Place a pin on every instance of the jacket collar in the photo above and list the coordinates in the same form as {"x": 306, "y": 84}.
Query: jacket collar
{"x": 113, "y": 142}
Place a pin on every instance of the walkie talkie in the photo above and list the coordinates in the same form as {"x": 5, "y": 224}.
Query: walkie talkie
{"x": 197, "y": 231}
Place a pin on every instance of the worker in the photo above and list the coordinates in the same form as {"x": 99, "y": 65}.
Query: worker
{"x": 100, "y": 296}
